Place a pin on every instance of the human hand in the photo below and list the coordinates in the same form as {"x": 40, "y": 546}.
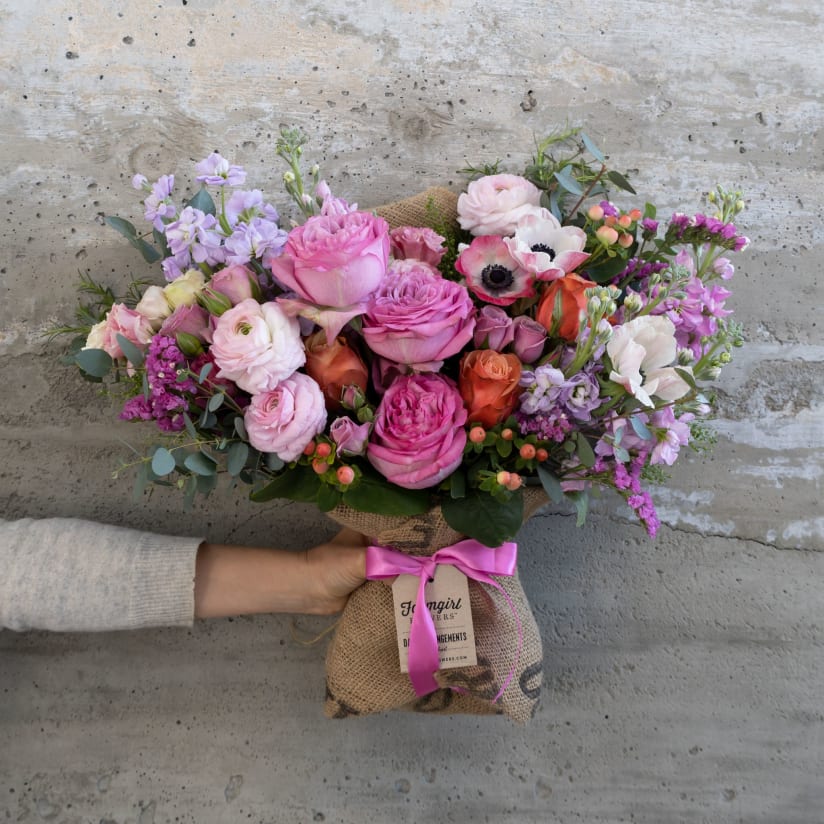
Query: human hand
{"x": 336, "y": 568}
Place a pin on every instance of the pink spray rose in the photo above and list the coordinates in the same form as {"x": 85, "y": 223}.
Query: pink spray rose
{"x": 529, "y": 339}
{"x": 257, "y": 345}
{"x": 417, "y": 317}
{"x": 494, "y": 204}
{"x": 417, "y": 242}
{"x": 493, "y": 329}
{"x": 349, "y": 436}
{"x": 418, "y": 437}
{"x": 335, "y": 259}
{"x": 120, "y": 320}
{"x": 236, "y": 282}
{"x": 283, "y": 420}
{"x": 193, "y": 320}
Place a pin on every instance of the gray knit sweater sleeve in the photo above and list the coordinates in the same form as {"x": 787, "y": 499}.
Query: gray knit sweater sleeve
{"x": 65, "y": 574}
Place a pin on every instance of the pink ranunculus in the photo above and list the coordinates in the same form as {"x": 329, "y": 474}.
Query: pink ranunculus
{"x": 494, "y": 204}
{"x": 120, "y": 320}
{"x": 529, "y": 339}
{"x": 284, "y": 419}
{"x": 417, "y": 317}
{"x": 493, "y": 329}
{"x": 257, "y": 345}
{"x": 417, "y": 242}
{"x": 349, "y": 436}
{"x": 236, "y": 282}
{"x": 193, "y": 320}
{"x": 418, "y": 436}
{"x": 335, "y": 260}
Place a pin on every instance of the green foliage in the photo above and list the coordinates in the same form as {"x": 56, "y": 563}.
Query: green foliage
{"x": 372, "y": 493}
{"x": 480, "y": 516}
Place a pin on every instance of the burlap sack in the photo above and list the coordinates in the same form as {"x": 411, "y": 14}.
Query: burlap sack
{"x": 362, "y": 665}
{"x": 434, "y": 207}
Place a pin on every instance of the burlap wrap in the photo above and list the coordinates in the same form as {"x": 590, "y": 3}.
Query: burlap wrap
{"x": 362, "y": 665}
{"x": 430, "y": 208}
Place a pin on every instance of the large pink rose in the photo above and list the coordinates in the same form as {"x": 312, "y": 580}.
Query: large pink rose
{"x": 417, "y": 317}
{"x": 257, "y": 345}
{"x": 494, "y": 204}
{"x": 120, "y": 320}
{"x": 335, "y": 259}
{"x": 418, "y": 437}
{"x": 285, "y": 419}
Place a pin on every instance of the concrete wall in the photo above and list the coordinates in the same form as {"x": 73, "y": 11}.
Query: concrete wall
{"x": 684, "y": 676}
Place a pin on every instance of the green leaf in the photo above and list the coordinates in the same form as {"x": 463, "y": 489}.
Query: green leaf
{"x": 203, "y": 201}
{"x": 585, "y": 454}
{"x": 581, "y": 501}
{"x": 328, "y": 498}
{"x": 650, "y": 211}
{"x": 606, "y": 271}
{"x": 206, "y": 484}
{"x": 160, "y": 240}
{"x": 275, "y": 462}
{"x": 123, "y": 226}
{"x": 568, "y": 182}
{"x": 240, "y": 428}
{"x": 163, "y": 462}
{"x": 482, "y": 517}
{"x": 592, "y": 148}
{"x": 190, "y": 427}
{"x": 216, "y": 401}
{"x": 200, "y": 464}
{"x": 132, "y": 353}
{"x": 504, "y": 447}
{"x": 150, "y": 254}
{"x": 620, "y": 181}
{"x": 375, "y": 494}
{"x": 551, "y": 484}
{"x": 238, "y": 453}
{"x": 457, "y": 484}
{"x": 687, "y": 376}
{"x": 204, "y": 373}
{"x": 94, "y": 362}
{"x": 640, "y": 428}
{"x": 298, "y": 484}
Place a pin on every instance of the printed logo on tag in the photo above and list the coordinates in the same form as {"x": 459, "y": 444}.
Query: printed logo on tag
{"x": 447, "y": 599}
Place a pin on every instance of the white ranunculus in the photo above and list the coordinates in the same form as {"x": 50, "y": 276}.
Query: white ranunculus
{"x": 154, "y": 306}
{"x": 184, "y": 290}
{"x": 641, "y": 352}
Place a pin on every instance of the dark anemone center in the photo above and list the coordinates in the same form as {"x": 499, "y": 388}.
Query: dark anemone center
{"x": 542, "y": 247}
{"x": 496, "y": 278}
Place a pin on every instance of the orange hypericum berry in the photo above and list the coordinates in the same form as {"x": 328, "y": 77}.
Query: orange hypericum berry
{"x": 541, "y": 454}
{"x": 345, "y": 475}
{"x": 507, "y": 434}
{"x": 515, "y": 482}
{"x": 607, "y": 235}
{"x": 503, "y": 477}
{"x": 635, "y": 214}
{"x": 320, "y": 466}
{"x": 309, "y": 449}
{"x": 610, "y": 220}
{"x": 527, "y": 451}
{"x": 324, "y": 450}
{"x": 625, "y": 221}
{"x": 595, "y": 213}
{"x": 477, "y": 434}
{"x": 625, "y": 241}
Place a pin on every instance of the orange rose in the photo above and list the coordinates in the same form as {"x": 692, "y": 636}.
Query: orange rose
{"x": 571, "y": 288}
{"x": 488, "y": 383}
{"x": 334, "y": 366}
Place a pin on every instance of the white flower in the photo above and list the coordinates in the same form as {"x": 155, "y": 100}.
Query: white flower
{"x": 545, "y": 248}
{"x": 184, "y": 290}
{"x": 494, "y": 204}
{"x": 641, "y": 352}
{"x": 154, "y": 306}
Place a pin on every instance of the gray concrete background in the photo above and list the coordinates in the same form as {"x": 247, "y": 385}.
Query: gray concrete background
{"x": 684, "y": 676}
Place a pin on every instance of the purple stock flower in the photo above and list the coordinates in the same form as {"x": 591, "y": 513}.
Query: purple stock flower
{"x": 672, "y": 433}
{"x": 158, "y": 204}
{"x": 259, "y": 239}
{"x": 548, "y": 390}
{"x": 245, "y": 206}
{"x": 174, "y": 266}
{"x": 217, "y": 171}
{"x": 182, "y": 233}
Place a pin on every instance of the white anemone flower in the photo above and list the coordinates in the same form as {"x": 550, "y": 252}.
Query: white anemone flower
{"x": 545, "y": 248}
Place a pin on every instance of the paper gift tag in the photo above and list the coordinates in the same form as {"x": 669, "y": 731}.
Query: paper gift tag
{"x": 447, "y": 599}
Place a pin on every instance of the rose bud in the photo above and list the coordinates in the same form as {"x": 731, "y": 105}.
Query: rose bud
{"x": 529, "y": 339}
{"x": 334, "y": 367}
{"x": 236, "y": 282}
{"x": 488, "y": 383}
{"x": 493, "y": 328}
{"x": 573, "y": 303}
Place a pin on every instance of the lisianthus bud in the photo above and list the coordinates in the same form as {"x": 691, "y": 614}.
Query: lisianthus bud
{"x": 189, "y": 344}
{"x": 214, "y": 302}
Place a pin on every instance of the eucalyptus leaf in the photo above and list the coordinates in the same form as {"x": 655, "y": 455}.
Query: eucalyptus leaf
{"x": 190, "y": 427}
{"x": 200, "y": 464}
{"x": 150, "y": 254}
{"x": 640, "y": 428}
{"x": 191, "y": 491}
{"x": 592, "y": 148}
{"x": 160, "y": 240}
{"x": 240, "y": 428}
{"x": 585, "y": 454}
{"x": 275, "y": 462}
{"x": 216, "y": 401}
{"x": 621, "y": 454}
{"x": 163, "y": 462}
{"x": 568, "y": 182}
{"x": 238, "y": 453}
{"x": 132, "y": 353}
{"x": 581, "y": 501}
{"x": 482, "y": 517}
{"x": 123, "y": 226}
{"x": 203, "y": 201}
{"x": 206, "y": 484}
{"x": 204, "y": 373}
{"x": 94, "y": 362}
{"x": 620, "y": 181}
{"x": 141, "y": 481}
{"x": 551, "y": 484}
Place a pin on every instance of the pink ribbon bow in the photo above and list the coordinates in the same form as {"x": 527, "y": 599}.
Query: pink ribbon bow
{"x": 476, "y": 561}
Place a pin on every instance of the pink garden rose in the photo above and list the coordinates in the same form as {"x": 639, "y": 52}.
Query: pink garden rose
{"x": 120, "y": 320}
{"x": 494, "y": 204}
{"x": 417, "y": 317}
{"x": 417, "y": 242}
{"x": 257, "y": 345}
{"x": 418, "y": 437}
{"x": 236, "y": 282}
{"x": 283, "y": 420}
{"x": 337, "y": 259}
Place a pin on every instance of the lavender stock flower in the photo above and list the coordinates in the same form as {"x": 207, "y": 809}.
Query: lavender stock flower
{"x": 217, "y": 171}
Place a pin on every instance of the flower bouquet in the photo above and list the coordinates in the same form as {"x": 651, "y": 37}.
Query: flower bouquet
{"x": 428, "y": 373}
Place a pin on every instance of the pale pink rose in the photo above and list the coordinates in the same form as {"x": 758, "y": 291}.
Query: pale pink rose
{"x": 284, "y": 419}
{"x": 418, "y": 436}
{"x": 335, "y": 260}
{"x": 417, "y": 242}
{"x": 545, "y": 248}
{"x": 641, "y": 351}
{"x": 418, "y": 317}
{"x": 493, "y": 329}
{"x": 494, "y": 204}
{"x": 193, "y": 320}
{"x": 257, "y": 345}
{"x": 349, "y": 436}
{"x": 120, "y": 320}
{"x": 154, "y": 306}
{"x": 236, "y": 282}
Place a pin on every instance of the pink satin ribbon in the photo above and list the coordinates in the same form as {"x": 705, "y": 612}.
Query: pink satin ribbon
{"x": 476, "y": 561}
